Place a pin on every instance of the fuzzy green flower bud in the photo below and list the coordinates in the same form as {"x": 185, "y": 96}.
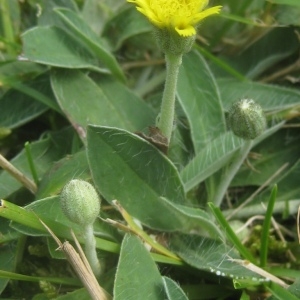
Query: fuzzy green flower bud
{"x": 246, "y": 119}
{"x": 170, "y": 42}
{"x": 80, "y": 202}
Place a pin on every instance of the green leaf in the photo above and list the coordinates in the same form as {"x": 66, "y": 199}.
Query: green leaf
{"x": 289, "y": 15}
{"x": 9, "y": 251}
{"x": 289, "y": 206}
{"x": 237, "y": 18}
{"x": 50, "y": 208}
{"x": 193, "y": 219}
{"x": 105, "y": 103}
{"x": 54, "y": 47}
{"x": 209, "y": 255}
{"x": 280, "y": 293}
{"x": 287, "y": 2}
{"x": 83, "y": 32}
{"x": 203, "y": 291}
{"x": 214, "y": 156}
{"x": 130, "y": 107}
{"x": 288, "y": 272}
{"x": 287, "y": 185}
{"x": 295, "y": 287}
{"x": 49, "y": 17}
{"x": 287, "y": 201}
{"x": 129, "y": 169}
{"x": 58, "y": 280}
{"x": 221, "y": 65}
{"x": 45, "y": 208}
{"x": 27, "y": 221}
{"x": 36, "y": 94}
{"x": 271, "y": 157}
{"x": 24, "y": 109}
{"x": 95, "y": 14}
{"x": 68, "y": 168}
{"x": 18, "y": 71}
{"x": 199, "y": 97}
{"x": 124, "y": 25}
{"x": 270, "y": 97}
{"x": 53, "y": 147}
{"x": 29, "y": 102}
{"x": 137, "y": 275}
{"x": 266, "y": 52}
{"x": 173, "y": 290}
{"x": 231, "y": 236}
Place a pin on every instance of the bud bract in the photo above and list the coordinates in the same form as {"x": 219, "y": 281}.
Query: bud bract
{"x": 170, "y": 42}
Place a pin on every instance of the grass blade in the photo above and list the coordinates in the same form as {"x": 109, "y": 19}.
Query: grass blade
{"x": 232, "y": 237}
{"x": 266, "y": 228}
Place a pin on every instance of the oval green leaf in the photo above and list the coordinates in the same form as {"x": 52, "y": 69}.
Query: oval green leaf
{"x": 137, "y": 275}
{"x": 173, "y": 290}
{"x": 129, "y": 169}
{"x": 86, "y": 35}
{"x": 200, "y": 99}
{"x": 270, "y": 97}
{"x": 107, "y": 102}
{"x": 54, "y": 47}
{"x": 210, "y": 255}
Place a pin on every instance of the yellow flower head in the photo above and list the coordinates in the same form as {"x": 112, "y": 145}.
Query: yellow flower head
{"x": 181, "y": 15}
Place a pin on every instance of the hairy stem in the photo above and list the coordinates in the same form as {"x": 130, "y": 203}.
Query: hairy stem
{"x": 167, "y": 111}
{"x": 90, "y": 249}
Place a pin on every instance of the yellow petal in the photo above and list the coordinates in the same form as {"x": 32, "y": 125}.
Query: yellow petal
{"x": 151, "y": 16}
{"x": 188, "y": 31}
{"x": 208, "y": 12}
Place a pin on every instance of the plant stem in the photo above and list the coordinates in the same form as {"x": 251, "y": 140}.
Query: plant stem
{"x": 7, "y": 26}
{"x": 28, "y": 183}
{"x": 264, "y": 241}
{"x": 90, "y": 249}
{"x": 142, "y": 234}
{"x": 167, "y": 111}
{"x": 231, "y": 171}
{"x": 31, "y": 163}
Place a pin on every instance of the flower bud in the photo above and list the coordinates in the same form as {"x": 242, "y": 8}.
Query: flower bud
{"x": 246, "y": 119}
{"x": 80, "y": 202}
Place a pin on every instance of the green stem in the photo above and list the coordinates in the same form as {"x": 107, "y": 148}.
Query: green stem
{"x": 231, "y": 171}
{"x": 31, "y": 163}
{"x": 138, "y": 231}
{"x": 7, "y": 26}
{"x": 90, "y": 249}
{"x": 167, "y": 111}
{"x": 28, "y": 183}
{"x": 264, "y": 241}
